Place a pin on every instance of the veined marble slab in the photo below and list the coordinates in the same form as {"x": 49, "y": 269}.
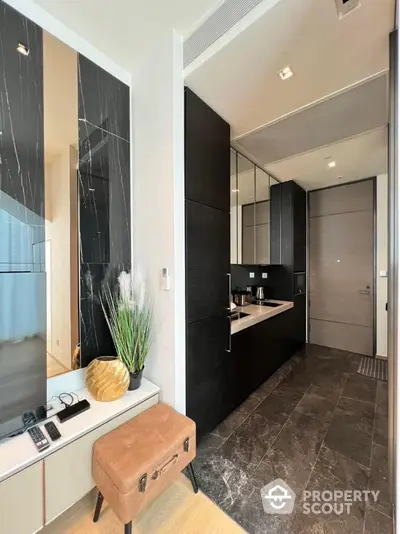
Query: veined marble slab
{"x": 257, "y": 314}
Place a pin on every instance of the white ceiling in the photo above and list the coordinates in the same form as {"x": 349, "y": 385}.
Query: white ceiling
{"x": 125, "y": 29}
{"x": 241, "y": 83}
{"x": 350, "y": 113}
{"x": 356, "y": 158}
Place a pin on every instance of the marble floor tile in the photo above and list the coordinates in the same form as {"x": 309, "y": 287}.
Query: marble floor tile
{"x": 359, "y": 414}
{"x": 381, "y": 423}
{"x": 381, "y": 484}
{"x": 315, "y": 423}
{"x": 295, "y": 379}
{"x": 345, "y": 438}
{"x": 382, "y": 396}
{"x": 340, "y": 471}
{"x": 232, "y": 422}
{"x": 315, "y": 406}
{"x": 327, "y": 524}
{"x": 247, "y": 446}
{"x": 222, "y": 480}
{"x": 328, "y": 392}
{"x": 377, "y": 523}
{"x": 361, "y": 388}
{"x": 293, "y": 454}
{"x": 207, "y": 446}
{"x": 280, "y": 404}
{"x": 379, "y": 479}
{"x": 380, "y": 460}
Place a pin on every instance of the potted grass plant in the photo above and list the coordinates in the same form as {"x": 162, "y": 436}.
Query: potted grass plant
{"x": 127, "y": 309}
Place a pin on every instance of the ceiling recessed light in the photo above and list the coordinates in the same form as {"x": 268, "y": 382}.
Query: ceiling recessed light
{"x": 285, "y": 73}
{"x": 332, "y": 164}
{"x": 23, "y": 49}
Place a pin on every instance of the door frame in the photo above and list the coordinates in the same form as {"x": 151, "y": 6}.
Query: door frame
{"x": 374, "y": 260}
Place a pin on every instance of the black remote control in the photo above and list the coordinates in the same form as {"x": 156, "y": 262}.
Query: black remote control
{"x": 52, "y": 431}
{"x": 38, "y": 438}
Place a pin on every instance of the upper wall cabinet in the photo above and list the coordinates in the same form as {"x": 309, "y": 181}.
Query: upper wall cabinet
{"x": 206, "y": 134}
{"x": 252, "y": 230}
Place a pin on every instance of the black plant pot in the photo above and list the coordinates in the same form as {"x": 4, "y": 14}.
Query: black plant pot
{"x": 135, "y": 380}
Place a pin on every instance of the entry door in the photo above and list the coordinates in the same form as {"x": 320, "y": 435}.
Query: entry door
{"x": 342, "y": 266}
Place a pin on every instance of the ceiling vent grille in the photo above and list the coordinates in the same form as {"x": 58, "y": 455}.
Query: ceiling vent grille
{"x": 222, "y": 20}
{"x": 345, "y": 7}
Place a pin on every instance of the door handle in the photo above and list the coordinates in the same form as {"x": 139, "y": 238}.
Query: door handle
{"x": 229, "y": 317}
{"x": 365, "y": 291}
{"x": 230, "y": 336}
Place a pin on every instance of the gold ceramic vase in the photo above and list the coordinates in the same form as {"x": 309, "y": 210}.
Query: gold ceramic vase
{"x": 107, "y": 378}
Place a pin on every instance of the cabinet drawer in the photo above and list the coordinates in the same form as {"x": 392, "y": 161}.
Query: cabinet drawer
{"x": 21, "y": 501}
{"x": 68, "y": 472}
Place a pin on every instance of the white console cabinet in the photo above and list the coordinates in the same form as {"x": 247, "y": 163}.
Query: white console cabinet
{"x": 36, "y": 488}
{"x": 21, "y": 501}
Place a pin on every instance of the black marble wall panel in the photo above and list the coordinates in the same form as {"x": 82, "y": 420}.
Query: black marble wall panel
{"x": 105, "y": 220}
{"x": 22, "y": 276}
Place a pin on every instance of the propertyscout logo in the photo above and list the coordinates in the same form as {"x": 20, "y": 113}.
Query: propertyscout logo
{"x": 278, "y": 498}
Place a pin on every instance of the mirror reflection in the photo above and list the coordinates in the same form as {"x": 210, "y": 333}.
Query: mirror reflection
{"x": 250, "y": 212}
{"x": 60, "y": 250}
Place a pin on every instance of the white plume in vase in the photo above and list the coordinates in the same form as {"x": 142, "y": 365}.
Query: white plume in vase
{"x": 127, "y": 308}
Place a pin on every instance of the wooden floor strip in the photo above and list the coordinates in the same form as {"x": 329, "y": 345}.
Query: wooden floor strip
{"x": 177, "y": 511}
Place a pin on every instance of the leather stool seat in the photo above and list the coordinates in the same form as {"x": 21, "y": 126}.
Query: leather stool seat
{"x": 135, "y": 462}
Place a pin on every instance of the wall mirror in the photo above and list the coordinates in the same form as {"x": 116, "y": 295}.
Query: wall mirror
{"x": 64, "y": 206}
{"x": 250, "y": 212}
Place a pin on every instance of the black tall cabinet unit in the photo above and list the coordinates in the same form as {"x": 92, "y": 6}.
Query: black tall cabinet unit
{"x": 289, "y": 248}
{"x": 207, "y": 205}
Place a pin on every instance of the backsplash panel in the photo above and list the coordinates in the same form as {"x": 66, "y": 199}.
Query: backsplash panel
{"x": 277, "y": 285}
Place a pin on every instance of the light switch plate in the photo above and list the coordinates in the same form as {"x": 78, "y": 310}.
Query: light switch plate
{"x": 251, "y": 275}
{"x": 265, "y": 275}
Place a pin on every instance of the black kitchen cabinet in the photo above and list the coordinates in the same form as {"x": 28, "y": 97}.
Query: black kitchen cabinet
{"x": 299, "y": 229}
{"x": 209, "y": 373}
{"x": 288, "y": 225}
{"x": 207, "y": 154}
{"x": 207, "y": 235}
{"x": 258, "y": 351}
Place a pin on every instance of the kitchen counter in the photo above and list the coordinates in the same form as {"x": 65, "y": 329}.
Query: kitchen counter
{"x": 257, "y": 314}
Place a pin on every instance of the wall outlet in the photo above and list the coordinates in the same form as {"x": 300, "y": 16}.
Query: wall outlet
{"x": 265, "y": 275}
{"x": 251, "y": 275}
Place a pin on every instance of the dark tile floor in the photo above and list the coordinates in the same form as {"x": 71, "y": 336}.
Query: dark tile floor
{"x": 316, "y": 424}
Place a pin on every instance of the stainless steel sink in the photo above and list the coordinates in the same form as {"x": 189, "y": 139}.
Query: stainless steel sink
{"x": 238, "y": 315}
{"x": 268, "y": 304}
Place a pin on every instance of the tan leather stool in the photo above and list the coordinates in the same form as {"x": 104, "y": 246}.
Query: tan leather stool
{"x": 135, "y": 462}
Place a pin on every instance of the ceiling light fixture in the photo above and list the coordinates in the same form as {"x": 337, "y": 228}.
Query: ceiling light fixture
{"x": 285, "y": 73}
{"x": 332, "y": 164}
{"x": 23, "y": 49}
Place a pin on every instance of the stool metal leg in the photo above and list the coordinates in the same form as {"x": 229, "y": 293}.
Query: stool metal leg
{"x": 99, "y": 504}
{"x": 128, "y": 528}
{"x": 192, "y": 478}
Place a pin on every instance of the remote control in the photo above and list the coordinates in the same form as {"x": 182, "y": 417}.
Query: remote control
{"x": 38, "y": 438}
{"x": 52, "y": 431}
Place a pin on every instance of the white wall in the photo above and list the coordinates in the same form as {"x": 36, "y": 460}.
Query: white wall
{"x": 381, "y": 263}
{"x": 158, "y": 207}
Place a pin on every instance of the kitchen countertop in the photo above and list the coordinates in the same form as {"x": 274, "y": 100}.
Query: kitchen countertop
{"x": 257, "y": 314}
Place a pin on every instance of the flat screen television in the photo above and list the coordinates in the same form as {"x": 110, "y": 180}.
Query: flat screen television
{"x": 23, "y": 367}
